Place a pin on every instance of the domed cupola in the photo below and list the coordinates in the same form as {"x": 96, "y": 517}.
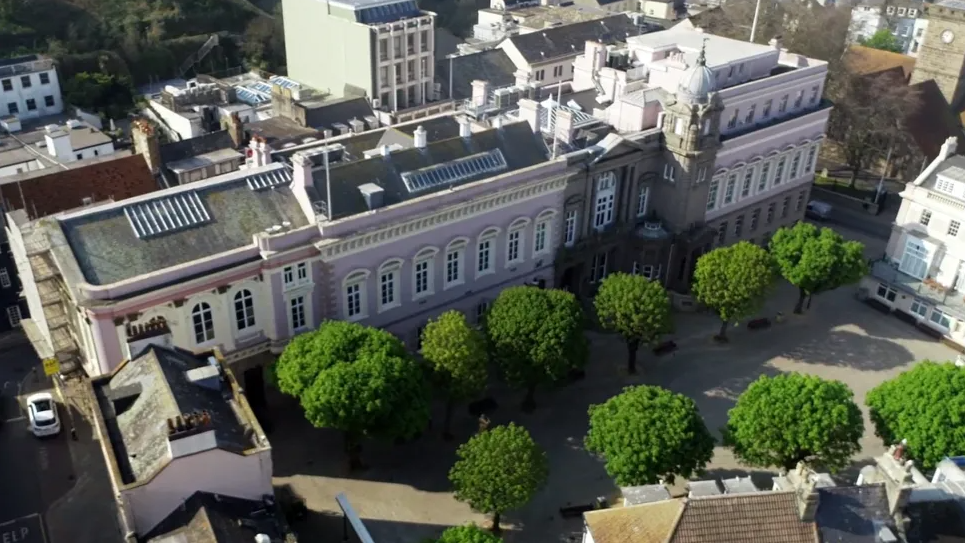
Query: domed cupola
{"x": 697, "y": 82}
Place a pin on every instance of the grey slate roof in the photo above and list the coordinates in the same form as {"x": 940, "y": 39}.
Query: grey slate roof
{"x": 176, "y": 151}
{"x": 852, "y": 514}
{"x": 569, "y": 40}
{"x": 493, "y": 66}
{"x": 108, "y": 251}
{"x": 520, "y": 147}
{"x": 935, "y": 522}
{"x": 279, "y": 130}
{"x": 144, "y": 393}
{"x": 325, "y": 114}
{"x": 207, "y": 518}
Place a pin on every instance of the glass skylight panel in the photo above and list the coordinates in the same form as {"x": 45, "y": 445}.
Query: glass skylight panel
{"x": 455, "y": 171}
{"x": 250, "y": 96}
{"x": 167, "y": 214}
{"x": 261, "y": 86}
{"x": 270, "y": 179}
{"x": 283, "y": 82}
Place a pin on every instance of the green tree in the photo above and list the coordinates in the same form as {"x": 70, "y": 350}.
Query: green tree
{"x": 457, "y": 354}
{"x": 469, "y": 533}
{"x": 733, "y": 281}
{"x": 536, "y": 336}
{"x": 636, "y": 308}
{"x": 780, "y": 421}
{"x": 923, "y": 406}
{"x": 816, "y": 260}
{"x": 355, "y": 379}
{"x": 109, "y": 95}
{"x": 648, "y": 433}
{"x": 884, "y": 40}
{"x": 499, "y": 470}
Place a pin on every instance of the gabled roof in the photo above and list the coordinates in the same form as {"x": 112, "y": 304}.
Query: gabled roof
{"x": 933, "y": 121}
{"x": 765, "y": 517}
{"x": 516, "y": 142}
{"x": 570, "y": 40}
{"x": 210, "y": 518}
{"x": 861, "y": 60}
{"x": 108, "y": 249}
{"x": 493, "y": 66}
{"x": 61, "y": 190}
{"x": 143, "y": 393}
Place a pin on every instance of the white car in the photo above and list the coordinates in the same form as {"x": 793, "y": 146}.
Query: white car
{"x": 42, "y": 410}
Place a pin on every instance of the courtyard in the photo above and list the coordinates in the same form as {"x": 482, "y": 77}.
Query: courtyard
{"x": 405, "y": 495}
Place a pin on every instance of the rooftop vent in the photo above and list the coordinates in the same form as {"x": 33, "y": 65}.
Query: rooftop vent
{"x": 206, "y": 376}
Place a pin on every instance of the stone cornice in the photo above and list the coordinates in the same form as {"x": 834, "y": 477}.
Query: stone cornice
{"x": 334, "y": 249}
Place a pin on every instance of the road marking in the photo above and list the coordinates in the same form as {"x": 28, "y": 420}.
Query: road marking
{"x": 43, "y": 458}
{"x": 24, "y": 529}
{"x": 16, "y": 419}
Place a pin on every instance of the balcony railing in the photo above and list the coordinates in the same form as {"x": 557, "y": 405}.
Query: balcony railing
{"x": 948, "y": 298}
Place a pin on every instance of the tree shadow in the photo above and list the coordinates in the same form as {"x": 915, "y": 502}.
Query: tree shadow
{"x": 853, "y": 350}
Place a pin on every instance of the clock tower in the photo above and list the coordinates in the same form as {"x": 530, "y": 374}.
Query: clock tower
{"x": 942, "y": 53}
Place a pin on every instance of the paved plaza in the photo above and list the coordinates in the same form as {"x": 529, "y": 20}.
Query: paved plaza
{"x": 405, "y": 496}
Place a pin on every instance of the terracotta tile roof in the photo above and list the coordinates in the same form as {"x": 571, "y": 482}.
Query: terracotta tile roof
{"x": 766, "y": 517}
{"x": 863, "y": 60}
{"x": 644, "y": 523}
{"x": 61, "y": 190}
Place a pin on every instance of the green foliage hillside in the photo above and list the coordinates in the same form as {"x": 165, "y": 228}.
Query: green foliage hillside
{"x": 152, "y": 37}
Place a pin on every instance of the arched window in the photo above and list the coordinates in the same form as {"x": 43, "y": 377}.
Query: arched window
{"x": 389, "y": 290}
{"x": 244, "y": 309}
{"x": 355, "y": 293}
{"x": 485, "y": 258}
{"x": 203, "y": 323}
{"x": 423, "y": 273}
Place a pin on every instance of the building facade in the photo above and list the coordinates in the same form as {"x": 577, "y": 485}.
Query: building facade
{"x": 29, "y": 87}
{"x": 922, "y": 274}
{"x": 383, "y": 48}
{"x": 900, "y": 17}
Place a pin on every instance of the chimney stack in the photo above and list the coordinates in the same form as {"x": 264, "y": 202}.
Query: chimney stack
{"x": 480, "y": 92}
{"x": 465, "y": 128}
{"x": 147, "y": 144}
{"x": 235, "y": 128}
{"x": 896, "y": 472}
{"x": 420, "y": 137}
{"x": 529, "y": 111}
{"x": 776, "y": 42}
{"x": 302, "y": 170}
{"x": 564, "y": 124}
{"x": 949, "y": 147}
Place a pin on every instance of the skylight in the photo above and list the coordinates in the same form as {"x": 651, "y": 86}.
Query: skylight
{"x": 251, "y": 96}
{"x": 455, "y": 171}
{"x": 273, "y": 178}
{"x": 167, "y": 214}
{"x": 283, "y": 82}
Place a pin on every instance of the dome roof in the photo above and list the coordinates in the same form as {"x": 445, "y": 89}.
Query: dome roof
{"x": 697, "y": 82}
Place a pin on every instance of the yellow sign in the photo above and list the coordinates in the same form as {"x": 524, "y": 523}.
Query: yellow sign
{"x": 51, "y": 366}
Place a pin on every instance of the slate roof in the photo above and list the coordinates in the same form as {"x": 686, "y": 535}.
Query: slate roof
{"x": 935, "y": 522}
{"x": 210, "y": 518}
{"x": 143, "y": 393}
{"x": 107, "y": 249}
{"x": 60, "y": 190}
{"x": 520, "y": 147}
{"x": 493, "y": 66}
{"x": 765, "y": 517}
{"x": 862, "y": 60}
{"x": 570, "y": 40}
{"x": 341, "y": 110}
{"x": 852, "y": 514}
{"x": 177, "y": 151}
{"x": 933, "y": 121}
{"x": 279, "y": 130}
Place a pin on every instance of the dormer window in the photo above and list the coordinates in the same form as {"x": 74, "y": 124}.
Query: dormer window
{"x": 901, "y": 12}
{"x": 891, "y": 10}
{"x": 943, "y": 184}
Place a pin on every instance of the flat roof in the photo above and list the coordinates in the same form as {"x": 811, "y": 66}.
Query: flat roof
{"x": 206, "y": 159}
{"x": 720, "y": 51}
{"x": 19, "y": 155}
{"x": 84, "y": 136}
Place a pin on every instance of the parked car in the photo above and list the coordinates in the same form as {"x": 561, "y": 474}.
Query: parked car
{"x": 42, "y": 411}
{"x": 818, "y": 210}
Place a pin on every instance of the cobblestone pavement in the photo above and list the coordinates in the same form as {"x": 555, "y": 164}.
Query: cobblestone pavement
{"x": 405, "y": 496}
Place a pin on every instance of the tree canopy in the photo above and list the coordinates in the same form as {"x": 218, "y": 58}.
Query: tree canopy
{"x": 457, "y": 354}
{"x": 499, "y": 470}
{"x": 923, "y": 406}
{"x": 109, "y": 95}
{"x": 816, "y": 260}
{"x": 356, "y": 379}
{"x": 884, "y": 40}
{"x": 648, "y": 433}
{"x": 636, "y": 308}
{"x": 733, "y": 281}
{"x": 470, "y": 533}
{"x": 536, "y": 336}
{"x": 782, "y": 420}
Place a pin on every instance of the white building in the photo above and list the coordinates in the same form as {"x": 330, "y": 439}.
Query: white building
{"x": 923, "y": 271}
{"x": 50, "y": 146}
{"x": 901, "y": 17}
{"x": 29, "y": 87}
{"x": 172, "y": 423}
